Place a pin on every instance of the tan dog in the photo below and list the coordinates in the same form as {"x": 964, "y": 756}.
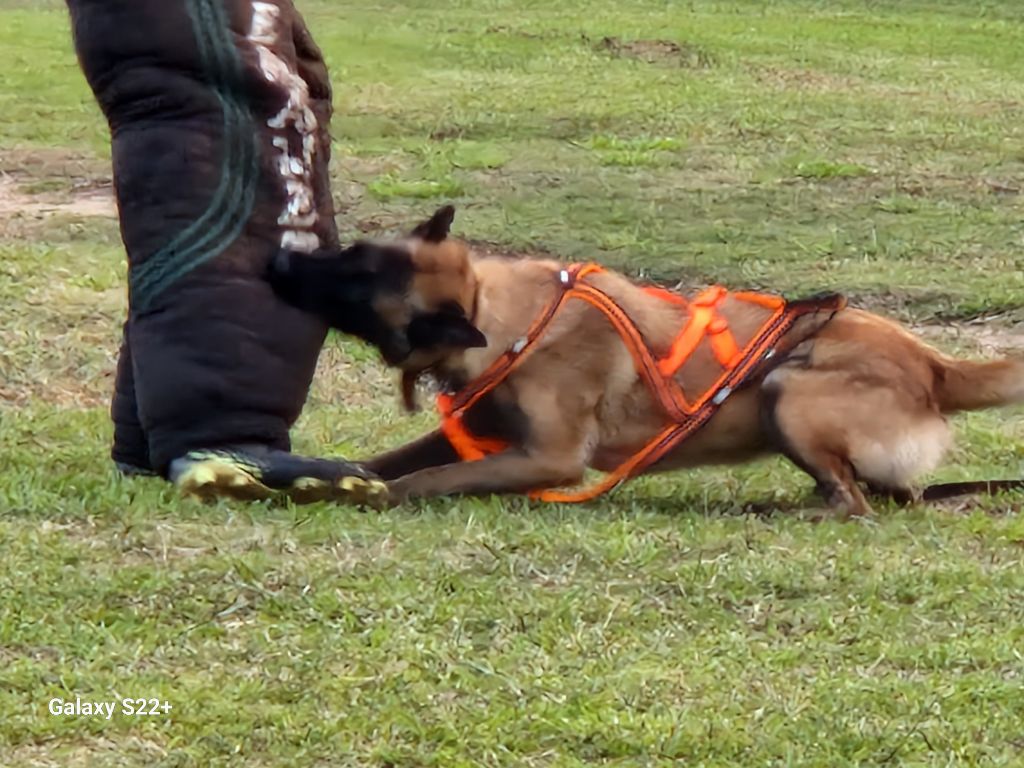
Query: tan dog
{"x": 847, "y": 396}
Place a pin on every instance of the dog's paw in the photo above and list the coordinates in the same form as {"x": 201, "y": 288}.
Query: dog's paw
{"x": 399, "y": 492}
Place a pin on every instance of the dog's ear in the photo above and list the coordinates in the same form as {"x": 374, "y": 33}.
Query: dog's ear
{"x": 443, "y": 330}
{"x": 436, "y": 228}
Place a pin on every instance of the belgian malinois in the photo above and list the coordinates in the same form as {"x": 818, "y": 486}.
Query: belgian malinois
{"x": 848, "y": 396}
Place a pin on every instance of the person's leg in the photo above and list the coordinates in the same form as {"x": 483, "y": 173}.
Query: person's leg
{"x": 219, "y": 113}
{"x": 130, "y": 450}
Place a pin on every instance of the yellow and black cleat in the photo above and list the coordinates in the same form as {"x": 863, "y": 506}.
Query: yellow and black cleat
{"x": 256, "y": 473}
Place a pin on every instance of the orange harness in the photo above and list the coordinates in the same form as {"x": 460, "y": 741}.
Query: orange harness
{"x": 685, "y": 417}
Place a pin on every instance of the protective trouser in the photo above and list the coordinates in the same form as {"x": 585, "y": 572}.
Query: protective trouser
{"x": 219, "y": 113}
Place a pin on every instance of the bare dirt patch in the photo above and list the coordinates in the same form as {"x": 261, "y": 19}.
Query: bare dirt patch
{"x": 57, "y": 372}
{"x": 79, "y": 201}
{"x": 665, "y": 52}
{"x": 493, "y": 250}
{"x": 504, "y": 29}
{"x": 985, "y": 338}
{"x": 934, "y": 183}
{"x": 784, "y": 78}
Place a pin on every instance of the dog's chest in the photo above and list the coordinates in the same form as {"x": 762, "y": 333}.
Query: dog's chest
{"x": 498, "y": 416}
{"x": 627, "y": 416}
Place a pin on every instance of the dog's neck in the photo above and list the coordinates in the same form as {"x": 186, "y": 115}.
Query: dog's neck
{"x": 510, "y": 294}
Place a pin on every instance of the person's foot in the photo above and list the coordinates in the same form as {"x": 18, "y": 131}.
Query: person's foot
{"x": 255, "y": 472}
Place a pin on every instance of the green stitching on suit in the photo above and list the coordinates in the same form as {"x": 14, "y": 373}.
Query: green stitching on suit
{"x": 166, "y": 266}
{"x": 213, "y": 65}
{"x": 239, "y": 215}
{"x": 232, "y": 203}
{"x": 174, "y": 265}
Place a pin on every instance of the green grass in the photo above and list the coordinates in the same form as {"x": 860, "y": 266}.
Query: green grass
{"x": 800, "y": 145}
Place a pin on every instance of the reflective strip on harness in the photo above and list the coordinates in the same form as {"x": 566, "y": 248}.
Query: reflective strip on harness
{"x": 705, "y": 321}
{"x": 467, "y": 445}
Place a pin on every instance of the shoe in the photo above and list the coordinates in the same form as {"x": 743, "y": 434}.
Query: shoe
{"x": 254, "y": 473}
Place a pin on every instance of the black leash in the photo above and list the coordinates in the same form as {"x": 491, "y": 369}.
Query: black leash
{"x": 941, "y": 491}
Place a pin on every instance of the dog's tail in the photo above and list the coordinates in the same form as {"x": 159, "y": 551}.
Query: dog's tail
{"x": 968, "y": 385}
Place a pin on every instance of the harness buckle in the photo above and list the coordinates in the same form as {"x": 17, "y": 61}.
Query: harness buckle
{"x": 519, "y": 345}
{"x": 564, "y": 277}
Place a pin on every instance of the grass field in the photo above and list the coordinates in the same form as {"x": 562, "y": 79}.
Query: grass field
{"x": 873, "y": 147}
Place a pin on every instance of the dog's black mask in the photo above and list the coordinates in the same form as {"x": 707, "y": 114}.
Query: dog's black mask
{"x": 448, "y": 328}
{"x": 364, "y": 291}
{"x": 347, "y": 289}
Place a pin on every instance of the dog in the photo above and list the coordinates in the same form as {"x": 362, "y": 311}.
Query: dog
{"x": 849, "y": 397}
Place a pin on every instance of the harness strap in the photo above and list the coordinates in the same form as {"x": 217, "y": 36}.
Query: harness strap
{"x": 664, "y": 442}
{"x": 723, "y": 343}
{"x": 666, "y": 295}
{"x": 496, "y": 372}
{"x": 667, "y": 394}
{"x": 702, "y": 313}
{"x": 469, "y": 447}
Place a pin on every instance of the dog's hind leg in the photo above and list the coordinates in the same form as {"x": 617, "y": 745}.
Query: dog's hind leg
{"x": 901, "y": 496}
{"x": 802, "y": 429}
{"x": 835, "y": 480}
{"x": 843, "y": 428}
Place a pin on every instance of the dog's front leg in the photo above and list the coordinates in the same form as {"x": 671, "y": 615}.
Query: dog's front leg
{"x": 431, "y": 450}
{"x": 512, "y": 471}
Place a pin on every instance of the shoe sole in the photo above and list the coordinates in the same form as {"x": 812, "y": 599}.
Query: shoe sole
{"x": 213, "y": 478}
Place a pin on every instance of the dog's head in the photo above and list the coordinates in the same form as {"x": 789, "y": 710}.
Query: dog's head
{"x": 414, "y": 299}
